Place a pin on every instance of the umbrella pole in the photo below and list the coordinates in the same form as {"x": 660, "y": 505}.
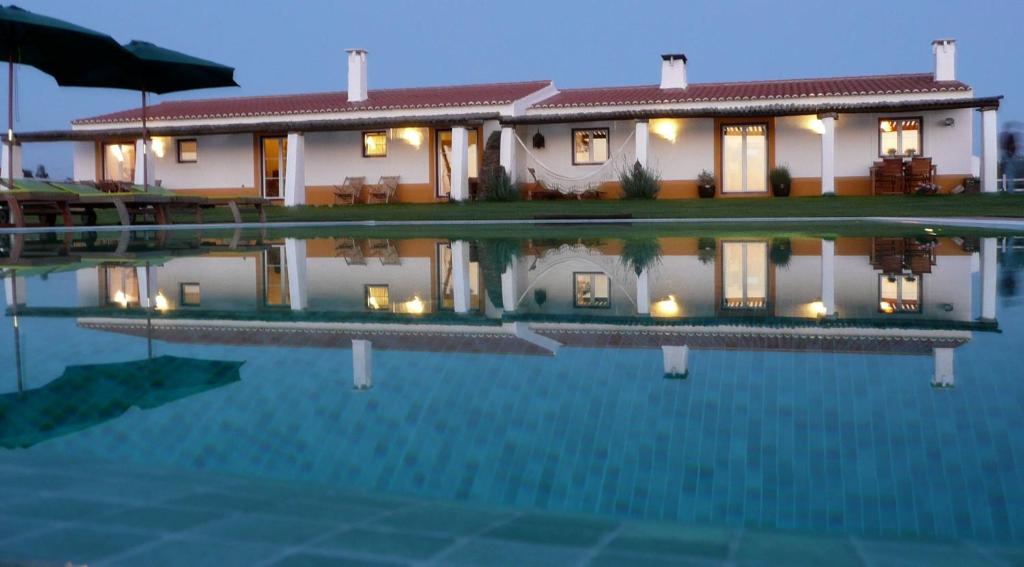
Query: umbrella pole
{"x": 145, "y": 148}
{"x": 149, "y": 317}
{"x": 17, "y": 331}
{"x": 10, "y": 120}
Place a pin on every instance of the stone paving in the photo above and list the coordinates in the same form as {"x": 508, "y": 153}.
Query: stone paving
{"x": 55, "y": 511}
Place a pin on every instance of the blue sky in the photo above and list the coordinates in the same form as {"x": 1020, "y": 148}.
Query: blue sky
{"x": 283, "y": 47}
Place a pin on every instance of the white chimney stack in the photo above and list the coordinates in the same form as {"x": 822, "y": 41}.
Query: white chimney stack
{"x": 356, "y": 75}
{"x": 673, "y": 71}
{"x": 945, "y": 59}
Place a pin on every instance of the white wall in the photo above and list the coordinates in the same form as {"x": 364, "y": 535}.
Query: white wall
{"x": 950, "y": 147}
{"x": 332, "y": 156}
{"x": 335, "y": 285}
{"x": 798, "y": 146}
{"x": 558, "y": 151}
{"x": 693, "y": 150}
{"x": 225, "y": 162}
{"x": 84, "y": 161}
{"x": 224, "y": 283}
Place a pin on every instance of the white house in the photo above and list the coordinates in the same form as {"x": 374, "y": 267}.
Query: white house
{"x": 829, "y": 132}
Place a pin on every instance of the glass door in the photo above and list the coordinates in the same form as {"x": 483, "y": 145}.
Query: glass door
{"x": 275, "y": 277}
{"x": 275, "y": 152}
{"x": 119, "y": 162}
{"x": 444, "y": 161}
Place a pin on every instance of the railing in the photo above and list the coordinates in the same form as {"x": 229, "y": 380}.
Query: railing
{"x": 1013, "y": 185}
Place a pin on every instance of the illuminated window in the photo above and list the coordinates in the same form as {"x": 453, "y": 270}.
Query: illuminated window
{"x": 590, "y": 146}
{"x": 188, "y": 151}
{"x": 190, "y": 295}
{"x": 899, "y": 137}
{"x": 591, "y": 290}
{"x": 378, "y": 298}
{"x": 375, "y": 144}
{"x": 899, "y": 294}
{"x": 275, "y": 277}
{"x": 744, "y": 158}
{"x": 744, "y": 275}
{"x": 121, "y": 286}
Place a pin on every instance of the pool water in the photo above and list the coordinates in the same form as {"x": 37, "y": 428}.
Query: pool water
{"x": 624, "y": 397}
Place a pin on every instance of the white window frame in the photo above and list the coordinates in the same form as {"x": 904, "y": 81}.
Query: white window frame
{"x": 589, "y": 132}
{"x": 899, "y": 135}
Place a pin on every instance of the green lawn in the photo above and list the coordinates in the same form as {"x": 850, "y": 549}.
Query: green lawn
{"x": 976, "y": 205}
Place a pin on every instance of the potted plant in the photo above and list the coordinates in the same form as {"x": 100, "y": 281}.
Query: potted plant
{"x": 779, "y": 252}
{"x": 781, "y": 181}
{"x": 706, "y": 250}
{"x": 972, "y": 184}
{"x": 705, "y": 184}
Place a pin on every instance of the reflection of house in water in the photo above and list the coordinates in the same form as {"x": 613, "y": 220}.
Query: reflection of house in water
{"x": 854, "y": 295}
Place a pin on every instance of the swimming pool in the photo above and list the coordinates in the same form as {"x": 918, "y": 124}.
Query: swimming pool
{"x": 859, "y": 391}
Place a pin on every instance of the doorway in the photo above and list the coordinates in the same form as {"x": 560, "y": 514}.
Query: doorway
{"x": 274, "y": 154}
{"x": 443, "y": 183}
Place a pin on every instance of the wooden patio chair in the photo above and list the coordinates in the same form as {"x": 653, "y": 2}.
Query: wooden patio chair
{"x": 350, "y": 249}
{"x": 349, "y": 191}
{"x": 385, "y": 251}
{"x": 384, "y": 190}
{"x": 888, "y": 177}
{"x": 919, "y": 172}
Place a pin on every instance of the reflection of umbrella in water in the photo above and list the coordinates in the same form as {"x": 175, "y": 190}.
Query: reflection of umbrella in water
{"x": 88, "y": 395}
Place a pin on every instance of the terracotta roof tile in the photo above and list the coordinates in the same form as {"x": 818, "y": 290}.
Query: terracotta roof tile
{"x": 328, "y": 102}
{"x": 754, "y": 90}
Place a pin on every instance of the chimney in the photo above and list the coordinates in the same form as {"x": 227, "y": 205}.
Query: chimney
{"x": 945, "y": 59}
{"x": 356, "y": 75}
{"x": 673, "y": 71}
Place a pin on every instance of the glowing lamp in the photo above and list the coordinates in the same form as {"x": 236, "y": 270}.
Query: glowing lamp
{"x": 817, "y": 126}
{"x": 668, "y": 307}
{"x": 411, "y": 136}
{"x": 159, "y": 147}
{"x": 118, "y": 155}
{"x": 121, "y": 299}
{"x": 665, "y": 128}
{"x": 415, "y": 306}
{"x": 818, "y": 309}
{"x": 887, "y": 307}
{"x": 160, "y": 302}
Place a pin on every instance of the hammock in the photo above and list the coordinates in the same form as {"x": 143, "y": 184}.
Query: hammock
{"x": 566, "y": 185}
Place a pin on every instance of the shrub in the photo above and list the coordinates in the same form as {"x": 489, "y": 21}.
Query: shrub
{"x": 639, "y": 182}
{"x": 498, "y": 186}
{"x": 705, "y": 178}
{"x": 780, "y": 176}
{"x": 639, "y": 254}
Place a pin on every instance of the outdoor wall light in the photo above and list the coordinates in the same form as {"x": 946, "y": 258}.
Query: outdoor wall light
{"x": 818, "y": 308}
{"x": 668, "y": 307}
{"x": 949, "y": 121}
{"x": 666, "y": 128}
{"x": 538, "y": 140}
{"x": 159, "y": 147}
{"x": 411, "y": 136}
{"x": 160, "y": 301}
{"x": 816, "y": 125}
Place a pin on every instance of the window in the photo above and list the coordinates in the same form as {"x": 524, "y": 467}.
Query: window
{"x": 119, "y": 162}
{"x": 275, "y": 277}
{"x": 591, "y": 290}
{"x": 188, "y": 151}
{"x": 190, "y": 295}
{"x": 589, "y": 146}
{"x": 899, "y": 294}
{"x": 378, "y": 298}
{"x": 744, "y": 158}
{"x": 375, "y": 144}
{"x": 744, "y": 275}
{"x": 121, "y": 286}
{"x": 899, "y": 137}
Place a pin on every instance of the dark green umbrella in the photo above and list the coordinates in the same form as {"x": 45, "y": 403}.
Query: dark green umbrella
{"x": 61, "y": 49}
{"x": 87, "y": 395}
{"x": 155, "y": 69}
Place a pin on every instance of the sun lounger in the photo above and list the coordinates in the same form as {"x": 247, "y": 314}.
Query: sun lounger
{"x": 384, "y": 190}
{"x": 128, "y": 203}
{"x": 30, "y": 197}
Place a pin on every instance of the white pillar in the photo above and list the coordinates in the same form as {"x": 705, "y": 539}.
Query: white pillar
{"x": 828, "y": 276}
{"x": 5, "y": 160}
{"x": 362, "y": 364}
{"x": 989, "y": 150}
{"x": 295, "y": 265}
{"x": 510, "y": 287}
{"x": 643, "y": 293}
{"x": 460, "y": 164}
{"x": 460, "y": 275}
{"x": 295, "y": 170}
{"x": 989, "y": 269}
{"x": 147, "y": 286}
{"x": 943, "y": 377}
{"x": 140, "y": 173}
{"x": 677, "y": 360}
{"x": 642, "y": 140}
{"x": 15, "y": 286}
{"x": 828, "y": 154}
{"x": 508, "y": 151}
